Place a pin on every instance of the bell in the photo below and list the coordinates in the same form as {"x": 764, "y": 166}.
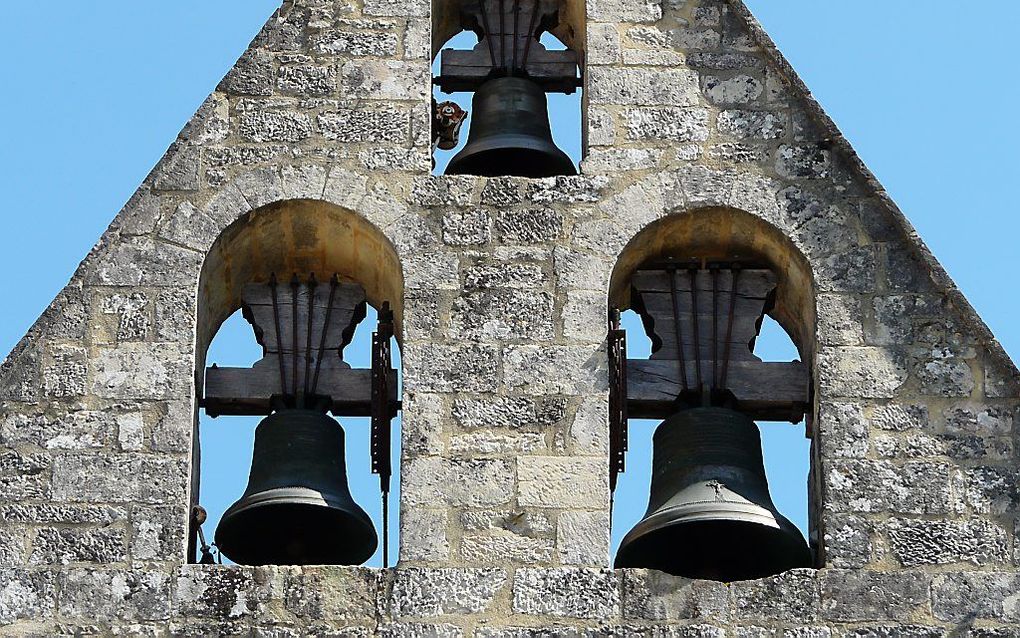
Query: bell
{"x": 710, "y": 515}
{"x": 297, "y": 508}
{"x": 510, "y": 134}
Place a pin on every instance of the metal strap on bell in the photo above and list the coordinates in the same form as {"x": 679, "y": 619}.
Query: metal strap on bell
{"x": 297, "y": 508}
{"x": 510, "y": 134}
{"x": 710, "y": 514}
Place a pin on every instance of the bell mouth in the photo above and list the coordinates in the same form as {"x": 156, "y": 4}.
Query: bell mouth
{"x": 712, "y": 549}
{"x": 278, "y": 541}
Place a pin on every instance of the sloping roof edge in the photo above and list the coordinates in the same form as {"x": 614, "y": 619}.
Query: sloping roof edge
{"x": 940, "y": 277}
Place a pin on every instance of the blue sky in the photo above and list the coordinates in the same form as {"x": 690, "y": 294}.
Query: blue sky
{"x": 95, "y": 92}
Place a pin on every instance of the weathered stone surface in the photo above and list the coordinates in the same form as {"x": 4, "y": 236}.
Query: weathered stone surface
{"x": 505, "y": 547}
{"x": 873, "y": 596}
{"x": 427, "y": 481}
{"x": 275, "y": 126}
{"x": 582, "y": 538}
{"x": 566, "y": 592}
{"x": 436, "y": 592}
{"x": 54, "y": 546}
{"x": 743, "y": 124}
{"x": 673, "y": 124}
{"x": 118, "y": 478}
{"x": 508, "y": 412}
{"x": 920, "y": 542}
{"x": 435, "y": 368}
{"x": 990, "y": 489}
{"x": 140, "y": 371}
{"x": 652, "y": 595}
{"x": 803, "y": 162}
{"x": 791, "y": 597}
{"x": 675, "y": 87}
{"x": 381, "y": 124}
{"x": 253, "y": 75}
{"x": 562, "y": 481}
{"x": 861, "y": 372}
{"x": 847, "y": 541}
{"x": 91, "y": 594}
{"x": 529, "y": 225}
{"x": 553, "y": 369}
{"x": 472, "y": 228}
{"x": 26, "y": 595}
{"x": 740, "y": 89}
{"x": 961, "y": 597}
{"x": 915, "y": 487}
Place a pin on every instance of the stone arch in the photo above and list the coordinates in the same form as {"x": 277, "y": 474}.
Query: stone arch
{"x": 571, "y": 30}
{"x": 299, "y": 235}
{"x": 724, "y": 233}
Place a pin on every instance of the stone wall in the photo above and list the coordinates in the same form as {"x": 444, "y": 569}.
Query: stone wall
{"x": 504, "y": 510}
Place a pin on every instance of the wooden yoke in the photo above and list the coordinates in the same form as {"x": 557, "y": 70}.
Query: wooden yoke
{"x": 508, "y": 45}
{"x": 303, "y": 329}
{"x": 703, "y": 323}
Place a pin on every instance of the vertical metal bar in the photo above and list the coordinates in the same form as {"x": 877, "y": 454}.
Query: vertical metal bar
{"x": 488, "y": 32}
{"x": 312, "y": 284}
{"x": 279, "y": 335}
{"x": 692, "y": 274}
{"x": 502, "y": 36}
{"x": 295, "y": 287}
{"x": 386, "y": 529}
{"x": 531, "y": 36}
{"x": 334, "y": 283}
{"x": 517, "y": 10}
{"x": 735, "y": 279}
{"x": 715, "y": 326}
{"x": 677, "y": 332}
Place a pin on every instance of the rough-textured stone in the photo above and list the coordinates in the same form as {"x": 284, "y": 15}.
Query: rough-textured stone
{"x": 919, "y": 542}
{"x": 559, "y": 481}
{"x": 873, "y": 596}
{"x": 961, "y": 597}
{"x": 566, "y": 592}
{"x": 437, "y": 592}
{"x": 652, "y": 595}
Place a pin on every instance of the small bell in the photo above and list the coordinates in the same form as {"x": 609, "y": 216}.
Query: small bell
{"x": 710, "y": 514}
{"x": 510, "y": 134}
{"x": 297, "y": 508}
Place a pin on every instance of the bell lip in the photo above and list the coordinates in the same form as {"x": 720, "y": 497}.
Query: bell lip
{"x": 744, "y": 513}
{"x": 563, "y": 164}
{"x": 297, "y": 496}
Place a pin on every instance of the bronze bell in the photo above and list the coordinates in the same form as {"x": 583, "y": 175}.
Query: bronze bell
{"x": 297, "y": 508}
{"x": 710, "y": 514}
{"x": 510, "y": 133}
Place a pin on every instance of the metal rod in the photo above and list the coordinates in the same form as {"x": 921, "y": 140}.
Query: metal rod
{"x": 502, "y": 36}
{"x": 715, "y": 326}
{"x": 308, "y": 337}
{"x": 334, "y": 283}
{"x": 488, "y": 31}
{"x": 295, "y": 287}
{"x": 678, "y": 335}
{"x": 734, "y": 277}
{"x": 692, "y": 274}
{"x": 531, "y": 36}
{"x": 385, "y": 529}
{"x": 279, "y": 336}
{"x": 517, "y": 13}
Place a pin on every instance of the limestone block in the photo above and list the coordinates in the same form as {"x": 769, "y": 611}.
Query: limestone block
{"x": 945, "y": 377}
{"x": 423, "y": 535}
{"x": 582, "y": 538}
{"x": 508, "y": 412}
{"x": 567, "y": 592}
{"x": 422, "y": 593}
{"x": 965, "y": 597}
{"x": 612, "y": 160}
{"x": 653, "y": 595}
{"x": 529, "y": 225}
{"x": 54, "y": 513}
{"x": 695, "y": 38}
{"x": 62, "y": 546}
{"x": 141, "y": 371}
{"x": 562, "y": 482}
{"x": 847, "y": 541}
{"x": 415, "y": 8}
{"x": 740, "y": 89}
{"x": 603, "y": 44}
{"x": 739, "y": 153}
{"x": 427, "y": 481}
{"x": 503, "y": 315}
{"x": 989, "y": 489}
{"x": 24, "y": 476}
{"x": 252, "y": 75}
{"x": 867, "y": 373}
{"x": 470, "y": 228}
{"x": 601, "y": 128}
{"x": 420, "y": 630}
{"x": 532, "y": 523}
{"x": 65, "y": 373}
{"x": 554, "y": 369}
{"x": 492, "y": 443}
{"x": 384, "y": 79}
{"x": 375, "y": 124}
{"x": 179, "y": 170}
{"x": 505, "y": 547}
{"x": 644, "y": 57}
{"x": 217, "y": 592}
{"x": 897, "y": 417}
{"x": 646, "y": 87}
{"x": 395, "y": 159}
{"x": 503, "y": 192}
{"x": 158, "y": 532}
{"x": 844, "y": 431}
{"x": 983, "y": 421}
{"x": 839, "y": 320}
{"x": 442, "y": 190}
{"x": 442, "y": 368}
{"x": 275, "y": 126}
{"x": 211, "y": 123}
{"x": 803, "y": 162}
{"x": 432, "y": 270}
{"x": 761, "y": 125}
{"x": 119, "y": 478}
{"x": 792, "y": 596}
{"x": 422, "y": 424}
{"x": 589, "y": 430}
{"x": 355, "y": 43}
{"x": 131, "y": 595}
{"x": 143, "y": 262}
{"x": 920, "y": 542}
{"x": 915, "y": 487}
{"x": 29, "y": 595}
{"x": 578, "y": 270}
{"x": 567, "y": 189}
{"x": 134, "y": 314}
{"x": 338, "y": 595}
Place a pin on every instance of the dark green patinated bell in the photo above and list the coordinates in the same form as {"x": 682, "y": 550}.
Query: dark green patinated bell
{"x": 510, "y": 134}
{"x": 297, "y": 509}
{"x": 710, "y": 514}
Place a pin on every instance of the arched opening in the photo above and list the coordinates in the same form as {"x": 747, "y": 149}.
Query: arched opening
{"x": 332, "y": 360}
{"x": 673, "y": 284}
{"x": 507, "y": 96}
